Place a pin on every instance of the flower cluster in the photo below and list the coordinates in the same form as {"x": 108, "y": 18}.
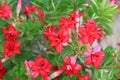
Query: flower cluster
{"x": 75, "y": 31}
{"x": 2, "y": 70}
{"x": 5, "y": 11}
{"x": 11, "y": 46}
{"x": 58, "y": 38}
{"x": 39, "y": 67}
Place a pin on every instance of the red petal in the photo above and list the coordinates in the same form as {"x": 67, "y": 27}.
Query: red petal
{"x": 4, "y": 30}
{"x": 88, "y": 61}
{"x": 59, "y": 48}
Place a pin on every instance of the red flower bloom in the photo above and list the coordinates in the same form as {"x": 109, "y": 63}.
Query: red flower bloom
{"x": 2, "y": 70}
{"x": 11, "y": 48}
{"x": 86, "y": 77}
{"x": 70, "y": 67}
{"x": 89, "y": 32}
{"x": 5, "y": 11}
{"x": 11, "y": 33}
{"x": 67, "y": 22}
{"x": 94, "y": 57}
{"x": 41, "y": 67}
{"x": 29, "y": 9}
{"x": 49, "y": 32}
{"x": 33, "y": 8}
{"x": 71, "y": 22}
{"x": 57, "y": 40}
{"x": 118, "y": 79}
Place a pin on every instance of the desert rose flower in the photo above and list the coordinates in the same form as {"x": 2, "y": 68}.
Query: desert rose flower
{"x": 70, "y": 67}
{"x": 32, "y": 8}
{"x": 94, "y": 57}
{"x": 5, "y": 11}
{"x": 57, "y": 40}
{"x": 11, "y": 48}
{"x": 89, "y": 32}
{"x": 11, "y": 33}
{"x": 49, "y": 32}
{"x": 41, "y": 67}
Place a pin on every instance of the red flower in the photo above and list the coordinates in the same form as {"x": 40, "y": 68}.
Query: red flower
{"x": 35, "y": 9}
{"x": 5, "y": 11}
{"x": 86, "y": 77}
{"x": 94, "y": 57}
{"x": 71, "y": 22}
{"x": 57, "y": 40}
{"x": 70, "y": 67}
{"x": 41, "y": 67}
{"x": 11, "y": 48}
{"x": 67, "y": 22}
{"x": 89, "y": 32}
{"x": 49, "y": 32}
{"x": 113, "y": 1}
{"x": 2, "y": 70}
{"x": 29, "y": 9}
{"x": 11, "y": 33}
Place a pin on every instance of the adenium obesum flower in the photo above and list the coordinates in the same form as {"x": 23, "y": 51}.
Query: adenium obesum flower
{"x": 86, "y": 77}
{"x": 49, "y": 32}
{"x": 70, "y": 67}
{"x": 89, "y": 32}
{"x": 11, "y": 48}
{"x": 94, "y": 57}
{"x": 2, "y": 70}
{"x": 11, "y": 33}
{"x": 57, "y": 40}
{"x": 35, "y": 9}
{"x": 71, "y": 22}
{"x": 39, "y": 67}
{"x": 29, "y": 9}
{"x": 5, "y": 11}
